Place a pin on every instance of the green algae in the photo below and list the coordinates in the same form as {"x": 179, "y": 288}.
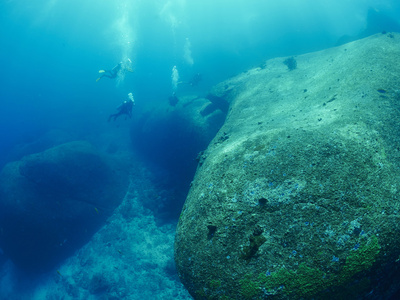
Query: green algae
{"x": 307, "y": 282}
{"x": 214, "y": 284}
{"x": 249, "y": 289}
{"x": 360, "y": 260}
{"x": 304, "y": 282}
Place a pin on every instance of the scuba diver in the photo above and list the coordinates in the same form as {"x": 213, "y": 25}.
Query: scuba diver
{"x": 114, "y": 72}
{"x": 124, "y": 109}
{"x": 173, "y": 100}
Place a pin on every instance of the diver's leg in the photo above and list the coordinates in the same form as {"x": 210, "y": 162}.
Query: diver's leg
{"x": 112, "y": 116}
{"x": 107, "y": 73}
{"x": 100, "y": 78}
{"x": 117, "y": 115}
{"x": 113, "y": 74}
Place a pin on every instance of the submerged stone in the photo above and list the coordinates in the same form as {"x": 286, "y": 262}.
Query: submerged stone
{"x": 52, "y": 202}
{"x": 304, "y": 195}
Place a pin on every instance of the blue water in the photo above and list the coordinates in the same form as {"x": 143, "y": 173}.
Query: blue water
{"x": 50, "y": 55}
{"x": 51, "y": 50}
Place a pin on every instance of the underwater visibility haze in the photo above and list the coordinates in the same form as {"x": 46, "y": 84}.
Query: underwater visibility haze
{"x": 110, "y": 110}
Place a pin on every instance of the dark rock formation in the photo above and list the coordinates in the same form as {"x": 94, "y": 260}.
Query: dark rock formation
{"x": 53, "y": 201}
{"x": 219, "y": 102}
{"x": 298, "y": 195}
{"x": 172, "y": 138}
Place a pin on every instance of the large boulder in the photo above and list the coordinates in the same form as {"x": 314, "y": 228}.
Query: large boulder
{"x": 298, "y": 196}
{"x": 53, "y": 201}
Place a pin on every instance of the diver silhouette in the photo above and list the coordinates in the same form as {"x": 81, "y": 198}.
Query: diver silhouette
{"x": 124, "y": 109}
{"x": 114, "y": 72}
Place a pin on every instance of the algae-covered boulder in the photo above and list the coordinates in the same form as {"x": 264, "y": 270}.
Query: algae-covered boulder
{"x": 298, "y": 196}
{"x": 53, "y": 201}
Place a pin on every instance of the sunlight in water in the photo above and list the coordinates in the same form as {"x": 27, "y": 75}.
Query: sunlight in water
{"x": 187, "y": 52}
{"x": 175, "y": 78}
{"x": 172, "y": 12}
{"x": 125, "y": 37}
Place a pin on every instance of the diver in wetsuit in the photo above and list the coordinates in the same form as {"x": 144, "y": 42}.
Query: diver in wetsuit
{"x": 110, "y": 73}
{"x": 121, "y": 67}
{"x": 124, "y": 109}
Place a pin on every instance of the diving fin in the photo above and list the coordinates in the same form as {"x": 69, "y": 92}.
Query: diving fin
{"x": 98, "y": 79}
{"x": 102, "y": 71}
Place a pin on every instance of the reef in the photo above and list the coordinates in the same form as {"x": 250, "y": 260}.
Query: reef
{"x": 301, "y": 201}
